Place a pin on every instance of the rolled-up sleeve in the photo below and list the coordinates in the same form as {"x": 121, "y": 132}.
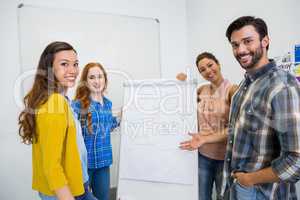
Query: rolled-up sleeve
{"x": 286, "y": 124}
{"x": 115, "y": 122}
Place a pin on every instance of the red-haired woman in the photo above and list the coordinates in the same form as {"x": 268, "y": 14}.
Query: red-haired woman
{"x": 95, "y": 113}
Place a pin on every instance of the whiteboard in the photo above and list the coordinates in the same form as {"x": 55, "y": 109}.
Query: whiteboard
{"x": 157, "y": 116}
{"x": 128, "y": 48}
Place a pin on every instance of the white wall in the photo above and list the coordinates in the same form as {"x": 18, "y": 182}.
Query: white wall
{"x": 187, "y": 28}
{"x": 15, "y": 169}
{"x": 208, "y": 20}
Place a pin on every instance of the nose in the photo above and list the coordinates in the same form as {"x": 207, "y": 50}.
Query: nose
{"x": 241, "y": 49}
{"x": 97, "y": 80}
{"x": 72, "y": 69}
{"x": 208, "y": 70}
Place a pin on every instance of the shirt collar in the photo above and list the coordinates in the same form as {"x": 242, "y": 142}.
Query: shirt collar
{"x": 258, "y": 73}
{"x": 67, "y": 98}
{"x": 92, "y": 101}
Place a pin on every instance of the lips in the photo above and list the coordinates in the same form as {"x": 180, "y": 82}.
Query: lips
{"x": 96, "y": 88}
{"x": 244, "y": 58}
{"x": 70, "y": 78}
{"x": 210, "y": 76}
{"x": 96, "y": 85}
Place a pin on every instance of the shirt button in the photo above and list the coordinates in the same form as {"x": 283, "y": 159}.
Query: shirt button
{"x": 228, "y": 159}
{"x": 230, "y": 142}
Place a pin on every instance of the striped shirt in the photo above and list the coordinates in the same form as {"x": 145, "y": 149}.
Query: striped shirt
{"x": 98, "y": 143}
{"x": 264, "y": 130}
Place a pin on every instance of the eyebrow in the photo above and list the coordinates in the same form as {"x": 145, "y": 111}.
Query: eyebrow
{"x": 68, "y": 60}
{"x": 201, "y": 67}
{"x": 95, "y": 74}
{"x": 243, "y": 39}
{"x": 208, "y": 63}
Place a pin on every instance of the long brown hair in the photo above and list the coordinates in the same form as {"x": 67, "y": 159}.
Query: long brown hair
{"x": 83, "y": 94}
{"x": 45, "y": 83}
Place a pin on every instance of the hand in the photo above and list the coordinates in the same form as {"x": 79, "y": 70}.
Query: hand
{"x": 243, "y": 179}
{"x": 181, "y": 76}
{"x": 205, "y": 133}
{"x": 120, "y": 113}
{"x": 64, "y": 193}
{"x": 193, "y": 144}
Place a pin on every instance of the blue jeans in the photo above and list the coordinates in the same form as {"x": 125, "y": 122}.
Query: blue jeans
{"x": 86, "y": 196}
{"x": 210, "y": 173}
{"x": 240, "y": 192}
{"x": 100, "y": 182}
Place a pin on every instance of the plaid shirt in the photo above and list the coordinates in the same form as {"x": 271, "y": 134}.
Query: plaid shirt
{"x": 98, "y": 142}
{"x": 264, "y": 130}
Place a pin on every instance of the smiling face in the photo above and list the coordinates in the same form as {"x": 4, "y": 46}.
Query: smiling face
{"x": 65, "y": 68}
{"x": 248, "y": 49}
{"x": 96, "y": 80}
{"x": 209, "y": 70}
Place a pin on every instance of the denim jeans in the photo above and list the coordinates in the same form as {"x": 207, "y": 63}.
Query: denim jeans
{"x": 100, "y": 182}
{"x": 210, "y": 173}
{"x": 86, "y": 196}
{"x": 240, "y": 192}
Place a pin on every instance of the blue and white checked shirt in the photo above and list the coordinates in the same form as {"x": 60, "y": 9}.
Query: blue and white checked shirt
{"x": 98, "y": 142}
{"x": 264, "y": 130}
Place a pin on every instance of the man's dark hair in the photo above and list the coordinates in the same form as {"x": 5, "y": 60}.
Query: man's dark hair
{"x": 259, "y": 25}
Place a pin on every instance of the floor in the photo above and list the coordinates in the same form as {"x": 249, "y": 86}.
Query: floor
{"x": 113, "y": 194}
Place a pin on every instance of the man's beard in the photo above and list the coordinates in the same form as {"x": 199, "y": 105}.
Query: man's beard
{"x": 255, "y": 58}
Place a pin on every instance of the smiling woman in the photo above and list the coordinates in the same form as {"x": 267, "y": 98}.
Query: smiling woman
{"x": 65, "y": 68}
{"x": 213, "y": 109}
{"x": 59, "y": 158}
{"x": 94, "y": 111}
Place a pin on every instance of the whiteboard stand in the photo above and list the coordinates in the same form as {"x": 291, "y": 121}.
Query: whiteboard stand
{"x": 157, "y": 116}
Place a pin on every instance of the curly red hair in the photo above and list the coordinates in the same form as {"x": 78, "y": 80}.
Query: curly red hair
{"x": 83, "y": 94}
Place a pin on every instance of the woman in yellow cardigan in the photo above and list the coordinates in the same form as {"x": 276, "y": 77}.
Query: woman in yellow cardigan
{"x": 59, "y": 158}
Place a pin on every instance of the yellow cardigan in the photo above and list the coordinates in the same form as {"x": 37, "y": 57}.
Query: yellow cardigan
{"x": 55, "y": 155}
